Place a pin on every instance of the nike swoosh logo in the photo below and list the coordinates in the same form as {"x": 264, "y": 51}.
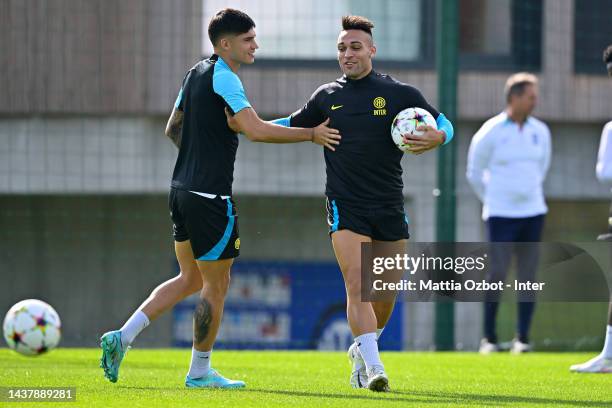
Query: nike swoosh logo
{"x": 334, "y": 107}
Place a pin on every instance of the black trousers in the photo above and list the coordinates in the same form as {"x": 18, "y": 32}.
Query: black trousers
{"x": 501, "y": 229}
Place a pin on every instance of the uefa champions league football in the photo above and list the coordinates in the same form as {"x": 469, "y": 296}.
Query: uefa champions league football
{"x": 32, "y": 327}
{"x": 406, "y": 122}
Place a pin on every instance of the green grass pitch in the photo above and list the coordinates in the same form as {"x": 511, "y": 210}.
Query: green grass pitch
{"x": 154, "y": 378}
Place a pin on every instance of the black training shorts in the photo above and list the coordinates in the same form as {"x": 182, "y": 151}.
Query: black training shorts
{"x": 381, "y": 223}
{"x": 211, "y": 224}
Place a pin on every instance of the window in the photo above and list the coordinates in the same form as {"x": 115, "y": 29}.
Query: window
{"x": 592, "y": 33}
{"x": 307, "y": 30}
{"x": 493, "y": 34}
{"x": 485, "y": 27}
{"x": 500, "y": 34}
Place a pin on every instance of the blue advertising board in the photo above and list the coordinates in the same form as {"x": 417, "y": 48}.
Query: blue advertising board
{"x": 283, "y": 305}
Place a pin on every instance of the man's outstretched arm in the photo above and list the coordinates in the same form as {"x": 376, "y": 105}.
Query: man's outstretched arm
{"x": 248, "y": 122}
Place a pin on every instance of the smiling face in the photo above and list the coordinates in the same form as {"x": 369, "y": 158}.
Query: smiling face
{"x": 355, "y": 52}
{"x": 240, "y": 48}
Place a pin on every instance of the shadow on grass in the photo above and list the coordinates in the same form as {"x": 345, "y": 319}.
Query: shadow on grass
{"x": 415, "y": 397}
{"x": 506, "y": 399}
{"x": 368, "y": 395}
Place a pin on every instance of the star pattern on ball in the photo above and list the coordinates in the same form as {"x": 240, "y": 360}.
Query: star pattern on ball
{"x": 16, "y": 337}
{"x": 41, "y": 323}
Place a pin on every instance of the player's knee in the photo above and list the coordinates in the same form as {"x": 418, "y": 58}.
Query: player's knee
{"x": 225, "y": 283}
{"x": 194, "y": 285}
{"x": 353, "y": 283}
{"x": 218, "y": 286}
{"x": 191, "y": 282}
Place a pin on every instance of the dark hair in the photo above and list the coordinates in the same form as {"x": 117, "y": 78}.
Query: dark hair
{"x": 357, "y": 23}
{"x": 516, "y": 84}
{"x": 607, "y": 54}
{"x": 228, "y": 21}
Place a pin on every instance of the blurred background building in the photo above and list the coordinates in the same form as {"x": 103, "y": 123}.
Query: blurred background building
{"x": 86, "y": 89}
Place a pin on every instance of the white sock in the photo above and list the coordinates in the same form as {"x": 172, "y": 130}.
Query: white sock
{"x": 607, "y": 349}
{"x": 378, "y": 333}
{"x": 200, "y": 363}
{"x": 368, "y": 347}
{"x": 135, "y": 324}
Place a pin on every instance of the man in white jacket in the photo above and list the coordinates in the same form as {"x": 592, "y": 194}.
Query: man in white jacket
{"x": 507, "y": 164}
{"x": 603, "y": 362}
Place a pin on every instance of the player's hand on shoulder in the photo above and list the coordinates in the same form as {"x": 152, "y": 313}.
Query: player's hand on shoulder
{"x": 326, "y": 136}
{"x": 430, "y": 139}
{"x": 232, "y": 122}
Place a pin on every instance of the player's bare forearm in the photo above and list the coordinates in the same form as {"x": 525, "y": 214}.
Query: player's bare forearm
{"x": 174, "y": 127}
{"x": 259, "y": 131}
{"x": 321, "y": 135}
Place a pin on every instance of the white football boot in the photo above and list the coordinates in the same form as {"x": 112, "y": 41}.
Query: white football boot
{"x": 359, "y": 377}
{"x": 487, "y": 348}
{"x": 377, "y": 379}
{"x": 518, "y": 347}
{"x": 598, "y": 364}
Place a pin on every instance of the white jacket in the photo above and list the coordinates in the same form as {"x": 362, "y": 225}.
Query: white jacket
{"x": 604, "y": 157}
{"x": 507, "y": 166}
